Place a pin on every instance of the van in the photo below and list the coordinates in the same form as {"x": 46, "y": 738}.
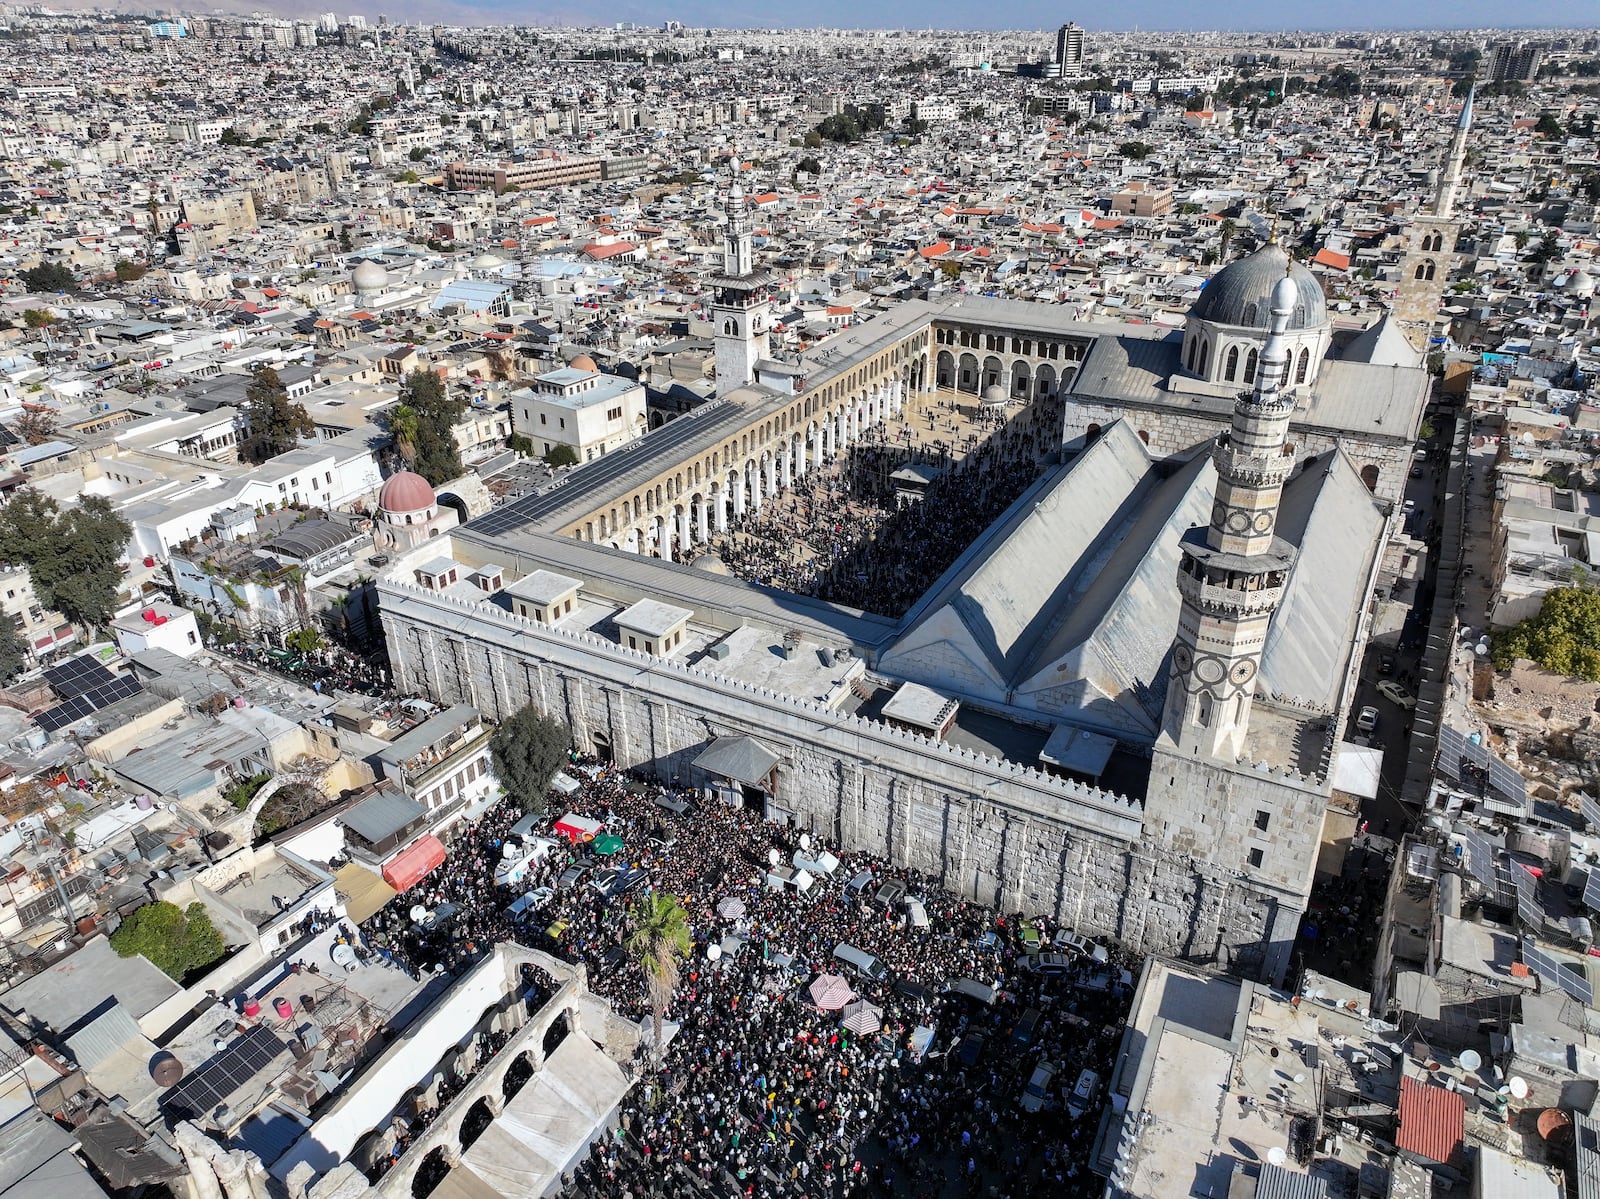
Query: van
{"x": 817, "y": 861}
{"x": 916, "y": 913}
{"x": 1027, "y": 1029}
{"x": 1084, "y": 1093}
{"x": 779, "y": 877}
{"x": 972, "y": 989}
{"x": 860, "y": 962}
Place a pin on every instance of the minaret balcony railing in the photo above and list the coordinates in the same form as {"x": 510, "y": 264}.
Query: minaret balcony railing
{"x": 1216, "y": 600}
{"x": 1250, "y": 469}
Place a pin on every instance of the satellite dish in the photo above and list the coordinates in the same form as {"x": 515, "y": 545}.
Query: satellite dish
{"x": 773, "y": 857}
{"x": 1276, "y": 1156}
{"x": 1481, "y": 648}
{"x": 1518, "y": 1087}
{"x": 1470, "y": 1059}
{"x": 419, "y": 913}
{"x": 805, "y": 840}
{"x": 1299, "y": 1078}
{"x": 1319, "y": 993}
{"x": 713, "y": 952}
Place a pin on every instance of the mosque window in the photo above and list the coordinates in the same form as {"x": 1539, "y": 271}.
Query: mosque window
{"x": 1231, "y": 371}
{"x": 1202, "y": 710}
{"x": 1250, "y": 366}
{"x": 1205, "y": 357}
{"x": 1302, "y": 365}
{"x": 1256, "y": 857}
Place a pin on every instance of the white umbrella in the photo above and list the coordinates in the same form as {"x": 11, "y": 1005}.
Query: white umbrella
{"x": 830, "y": 992}
{"x": 863, "y": 1017}
{"x": 731, "y": 908}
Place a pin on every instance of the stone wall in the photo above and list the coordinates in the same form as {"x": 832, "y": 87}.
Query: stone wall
{"x": 1006, "y": 834}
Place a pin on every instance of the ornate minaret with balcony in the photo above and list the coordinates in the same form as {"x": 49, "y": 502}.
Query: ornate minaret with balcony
{"x": 739, "y": 303}
{"x": 1233, "y": 573}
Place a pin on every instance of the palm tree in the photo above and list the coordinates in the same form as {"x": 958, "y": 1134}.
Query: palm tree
{"x": 660, "y": 939}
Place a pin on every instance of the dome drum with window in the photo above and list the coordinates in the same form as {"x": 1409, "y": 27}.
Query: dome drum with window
{"x": 1227, "y": 327}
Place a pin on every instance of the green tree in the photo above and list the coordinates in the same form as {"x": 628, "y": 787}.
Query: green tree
{"x": 48, "y": 276}
{"x": 521, "y": 444}
{"x": 321, "y": 127}
{"x": 528, "y": 748}
{"x": 1547, "y": 249}
{"x": 1134, "y": 150}
{"x": 1564, "y": 637}
{"x": 1548, "y": 127}
{"x": 276, "y": 423}
{"x": 561, "y": 455}
{"x": 418, "y": 153}
{"x": 37, "y": 318}
{"x": 424, "y": 428}
{"x": 178, "y": 942}
{"x": 128, "y": 271}
{"x": 304, "y": 641}
{"x": 659, "y": 942}
{"x": 13, "y": 654}
{"x": 72, "y": 557}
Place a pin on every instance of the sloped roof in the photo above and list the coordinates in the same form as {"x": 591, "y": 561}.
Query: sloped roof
{"x": 1432, "y": 1121}
{"x": 1382, "y": 344}
{"x": 1329, "y": 515}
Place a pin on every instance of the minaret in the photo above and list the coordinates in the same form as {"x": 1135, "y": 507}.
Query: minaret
{"x": 1232, "y": 574}
{"x": 1444, "y": 200}
{"x": 1430, "y": 246}
{"x": 739, "y": 304}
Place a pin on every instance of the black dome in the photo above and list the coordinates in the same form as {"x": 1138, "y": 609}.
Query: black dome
{"x": 1241, "y": 293}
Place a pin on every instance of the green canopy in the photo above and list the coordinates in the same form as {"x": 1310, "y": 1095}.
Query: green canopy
{"x": 606, "y": 844}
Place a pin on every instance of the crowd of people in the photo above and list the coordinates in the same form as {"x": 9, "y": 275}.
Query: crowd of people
{"x": 848, "y": 532}
{"x": 762, "y": 1093}
{"x": 329, "y": 668}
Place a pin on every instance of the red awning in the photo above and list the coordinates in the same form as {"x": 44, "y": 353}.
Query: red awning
{"x": 408, "y": 868}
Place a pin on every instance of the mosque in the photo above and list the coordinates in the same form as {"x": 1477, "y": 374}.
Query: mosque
{"x": 1123, "y": 704}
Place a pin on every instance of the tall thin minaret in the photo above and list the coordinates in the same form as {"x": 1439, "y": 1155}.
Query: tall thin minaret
{"x": 739, "y": 302}
{"x": 1232, "y": 574}
{"x": 1444, "y": 200}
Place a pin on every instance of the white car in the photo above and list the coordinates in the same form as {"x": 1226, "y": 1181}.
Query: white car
{"x": 1396, "y": 694}
{"x": 1367, "y": 720}
{"x": 1038, "y": 1088}
{"x": 1073, "y": 943}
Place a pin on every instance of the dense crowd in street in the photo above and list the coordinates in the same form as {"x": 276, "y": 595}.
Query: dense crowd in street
{"x": 847, "y": 533}
{"x": 762, "y": 1093}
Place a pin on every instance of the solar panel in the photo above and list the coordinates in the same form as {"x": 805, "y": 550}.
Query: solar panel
{"x": 1448, "y": 762}
{"x": 1553, "y": 972}
{"x": 1508, "y": 783}
{"x": 77, "y": 675}
{"x": 79, "y": 706}
{"x": 235, "y": 1067}
{"x": 1422, "y": 861}
{"x": 1480, "y": 855}
{"x": 1590, "y": 809}
{"x": 1591, "y": 890}
{"x": 1529, "y": 910}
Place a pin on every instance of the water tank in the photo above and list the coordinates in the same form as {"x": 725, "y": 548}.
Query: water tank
{"x": 166, "y": 1070}
{"x": 145, "y": 803}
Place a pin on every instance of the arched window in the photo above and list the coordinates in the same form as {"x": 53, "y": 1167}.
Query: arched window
{"x": 1231, "y": 370}
{"x": 1251, "y": 311}
{"x": 1250, "y": 366}
{"x": 1302, "y": 365}
{"x": 1205, "y": 356}
{"x": 1194, "y": 349}
{"x": 1202, "y": 710}
{"x": 1425, "y": 269}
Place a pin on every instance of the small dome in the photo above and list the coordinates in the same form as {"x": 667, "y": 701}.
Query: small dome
{"x": 993, "y": 396}
{"x": 1580, "y": 283}
{"x": 1240, "y": 294}
{"x": 488, "y": 262}
{"x": 406, "y": 492}
{"x": 583, "y": 363}
{"x": 369, "y": 276}
{"x": 712, "y": 564}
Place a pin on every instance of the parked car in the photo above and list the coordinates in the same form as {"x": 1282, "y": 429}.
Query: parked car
{"x": 1386, "y": 664}
{"x": 572, "y": 876}
{"x": 1051, "y": 965}
{"x": 1038, "y": 1088}
{"x": 1084, "y": 1093}
{"x": 970, "y": 1049}
{"x": 1071, "y": 942}
{"x": 1396, "y": 694}
{"x": 1367, "y": 719}
{"x": 889, "y": 894}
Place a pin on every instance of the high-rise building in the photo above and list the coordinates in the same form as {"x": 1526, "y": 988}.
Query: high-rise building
{"x": 1069, "y": 50}
{"x": 1514, "y": 62}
